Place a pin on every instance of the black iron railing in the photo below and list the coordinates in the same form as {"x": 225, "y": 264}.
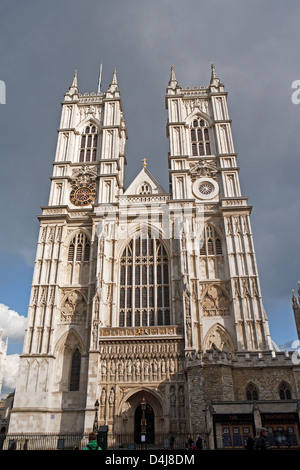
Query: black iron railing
{"x": 115, "y": 441}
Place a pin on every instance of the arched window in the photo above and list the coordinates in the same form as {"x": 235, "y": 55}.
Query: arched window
{"x": 285, "y": 391}
{"x": 144, "y": 283}
{"x": 145, "y": 188}
{"x": 200, "y": 137}
{"x": 75, "y": 371}
{"x": 252, "y": 392}
{"x": 211, "y": 244}
{"x": 88, "y": 144}
{"x": 79, "y": 248}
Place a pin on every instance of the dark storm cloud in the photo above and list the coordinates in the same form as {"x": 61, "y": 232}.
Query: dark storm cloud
{"x": 254, "y": 46}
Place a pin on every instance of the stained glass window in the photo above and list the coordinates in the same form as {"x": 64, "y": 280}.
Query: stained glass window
{"x": 144, "y": 297}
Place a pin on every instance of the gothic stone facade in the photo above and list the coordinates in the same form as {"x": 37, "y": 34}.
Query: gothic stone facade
{"x": 142, "y": 293}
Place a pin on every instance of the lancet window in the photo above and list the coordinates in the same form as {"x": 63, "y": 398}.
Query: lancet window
{"x": 200, "y": 138}
{"x": 252, "y": 392}
{"x": 211, "y": 244}
{"x": 284, "y": 391}
{"x": 75, "y": 371}
{"x": 144, "y": 283}
{"x": 88, "y": 144}
{"x": 79, "y": 248}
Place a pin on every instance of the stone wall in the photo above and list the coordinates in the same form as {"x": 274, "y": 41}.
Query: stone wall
{"x": 219, "y": 377}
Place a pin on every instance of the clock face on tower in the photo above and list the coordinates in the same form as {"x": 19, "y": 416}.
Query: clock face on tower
{"x": 83, "y": 194}
{"x": 205, "y": 188}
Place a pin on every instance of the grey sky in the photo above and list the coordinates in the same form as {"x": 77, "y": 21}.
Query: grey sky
{"x": 255, "y": 48}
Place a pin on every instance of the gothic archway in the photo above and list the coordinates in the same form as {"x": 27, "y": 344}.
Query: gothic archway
{"x": 129, "y": 414}
{"x": 150, "y": 424}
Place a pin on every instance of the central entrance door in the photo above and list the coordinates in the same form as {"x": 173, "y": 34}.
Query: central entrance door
{"x": 149, "y": 415}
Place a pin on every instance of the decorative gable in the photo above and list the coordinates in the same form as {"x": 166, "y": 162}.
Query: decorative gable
{"x": 144, "y": 183}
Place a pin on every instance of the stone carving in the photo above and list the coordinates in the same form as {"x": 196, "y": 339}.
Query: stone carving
{"x": 102, "y": 403}
{"x": 219, "y": 339}
{"x": 215, "y": 302}
{"x": 188, "y": 321}
{"x": 203, "y": 168}
{"x": 111, "y": 401}
{"x": 173, "y": 402}
{"x": 181, "y": 402}
{"x": 140, "y": 361}
{"x": 74, "y": 308}
{"x": 84, "y": 174}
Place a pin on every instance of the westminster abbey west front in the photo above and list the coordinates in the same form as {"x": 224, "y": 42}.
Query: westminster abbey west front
{"x": 146, "y": 313}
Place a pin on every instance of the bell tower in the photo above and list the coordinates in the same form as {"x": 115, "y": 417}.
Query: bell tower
{"x": 141, "y": 296}
{"x": 88, "y": 173}
{"x": 224, "y": 301}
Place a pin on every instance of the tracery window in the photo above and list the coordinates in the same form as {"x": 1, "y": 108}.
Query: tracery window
{"x": 284, "y": 391}
{"x": 75, "y": 371}
{"x": 88, "y": 144}
{"x": 200, "y": 137}
{"x": 79, "y": 248}
{"x": 252, "y": 392}
{"x": 144, "y": 283}
{"x": 211, "y": 244}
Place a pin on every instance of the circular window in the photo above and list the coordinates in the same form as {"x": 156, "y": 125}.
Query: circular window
{"x": 205, "y": 188}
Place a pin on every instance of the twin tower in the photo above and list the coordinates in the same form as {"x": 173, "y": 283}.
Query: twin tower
{"x": 146, "y": 295}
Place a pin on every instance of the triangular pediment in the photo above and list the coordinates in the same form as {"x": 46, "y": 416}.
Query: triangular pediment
{"x": 144, "y": 183}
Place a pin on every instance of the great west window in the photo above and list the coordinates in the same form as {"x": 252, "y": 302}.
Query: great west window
{"x": 144, "y": 283}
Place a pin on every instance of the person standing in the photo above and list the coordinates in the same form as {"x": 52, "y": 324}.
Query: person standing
{"x": 198, "y": 442}
{"x": 190, "y": 443}
{"x": 249, "y": 445}
{"x": 92, "y": 444}
{"x": 262, "y": 442}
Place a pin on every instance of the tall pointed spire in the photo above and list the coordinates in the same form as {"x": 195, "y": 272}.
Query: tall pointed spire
{"x": 113, "y": 87}
{"x": 172, "y": 77}
{"x": 214, "y": 80}
{"x": 114, "y": 79}
{"x": 74, "y": 83}
{"x": 173, "y": 81}
{"x": 73, "y": 89}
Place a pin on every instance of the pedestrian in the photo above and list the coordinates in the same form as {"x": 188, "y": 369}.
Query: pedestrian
{"x": 198, "y": 442}
{"x": 189, "y": 443}
{"x": 13, "y": 446}
{"x": 171, "y": 441}
{"x": 249, "y": 445}
{"x": 25, "y": 446}
{"x": 262, "y": 443}
{"x": 92, "y": 444}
